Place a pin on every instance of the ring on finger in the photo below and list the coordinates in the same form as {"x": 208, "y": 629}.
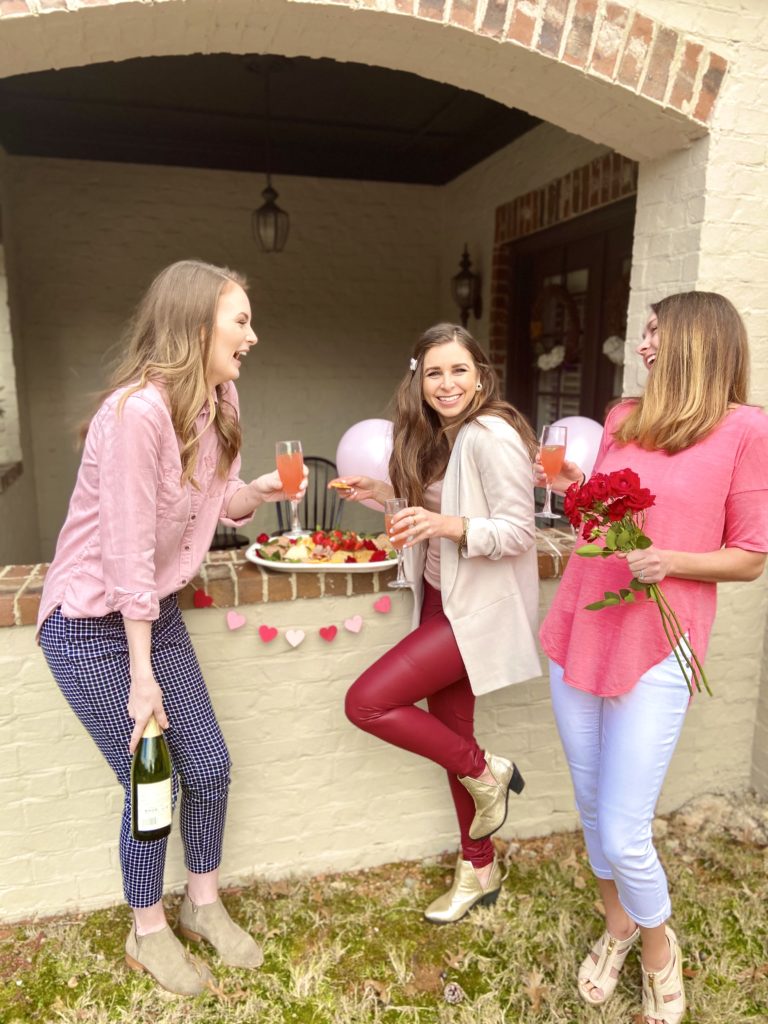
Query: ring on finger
{"x": 641, "y": 575}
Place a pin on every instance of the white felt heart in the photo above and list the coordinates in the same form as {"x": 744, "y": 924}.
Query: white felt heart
{"x": 235, "y": 620}
{"x": 355, "y": 624}
{"x": 294, "y": 636}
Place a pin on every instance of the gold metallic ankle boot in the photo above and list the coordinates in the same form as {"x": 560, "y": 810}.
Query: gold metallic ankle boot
{"x": 491, "y": 799}
{"x": 465, "y": 892}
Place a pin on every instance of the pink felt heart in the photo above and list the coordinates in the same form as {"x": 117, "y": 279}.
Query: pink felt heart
{"x": 267, "y": 633}
{"x": 328, "y": 632}
{"x": 355, "y": 624}
{"x": 383, "y": 605}
{"x": 202, "y": 600}
{"x": 235, "y": 620}
{"x": 294, "y": 636}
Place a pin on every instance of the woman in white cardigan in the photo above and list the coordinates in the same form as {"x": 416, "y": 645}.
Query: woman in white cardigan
{"x": 462, "y": 459}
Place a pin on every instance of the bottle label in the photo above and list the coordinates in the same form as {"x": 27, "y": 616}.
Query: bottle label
{"x": 153, "y": 805}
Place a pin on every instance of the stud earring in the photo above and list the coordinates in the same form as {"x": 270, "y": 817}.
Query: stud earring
{"x": 478, "y": 386}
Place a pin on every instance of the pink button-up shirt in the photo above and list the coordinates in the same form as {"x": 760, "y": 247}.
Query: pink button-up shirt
{"x": 133, "y": 533}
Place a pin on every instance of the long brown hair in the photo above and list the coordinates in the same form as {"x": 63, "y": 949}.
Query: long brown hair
{"x": 168, "y": 341}
{"x": 701, "y": 367}
{"x": 421, "y": 448}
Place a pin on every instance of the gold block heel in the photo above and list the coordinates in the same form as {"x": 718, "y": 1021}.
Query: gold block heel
{"x": 189, "y": 934}
{"x": 491, "y": 798}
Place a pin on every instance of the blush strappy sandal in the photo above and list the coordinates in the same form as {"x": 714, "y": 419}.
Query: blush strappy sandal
{"x": 663, "y": 991}
{"x": 611, "y": 954}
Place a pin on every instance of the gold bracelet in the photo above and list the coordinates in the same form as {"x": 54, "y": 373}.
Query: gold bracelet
{"x": 462, "y": 541}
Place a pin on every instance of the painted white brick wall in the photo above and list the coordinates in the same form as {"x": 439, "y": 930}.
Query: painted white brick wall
{"x": 10, "y": 444}
{"x": 703, "y": 223}
{"x": 355, "y": 801}
{"x": 336, "y": 312}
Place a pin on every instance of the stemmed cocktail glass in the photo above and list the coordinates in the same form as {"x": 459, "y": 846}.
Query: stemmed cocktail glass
{"x": 552, "y": 455}
{"x": 391, "y": 507}
{"x": 290, "y": 466}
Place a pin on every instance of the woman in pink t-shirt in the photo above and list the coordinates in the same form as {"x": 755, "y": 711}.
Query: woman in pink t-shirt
{"x": 619, "y": 695}
{"x": 159, "y": 469}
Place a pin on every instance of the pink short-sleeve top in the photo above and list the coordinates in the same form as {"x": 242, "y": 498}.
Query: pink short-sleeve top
{"x": 710, "y": 495}
{"x": 134, "y": 533}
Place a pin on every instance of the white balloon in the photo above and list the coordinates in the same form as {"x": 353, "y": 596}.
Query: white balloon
{"x": 364, "y": 450}
{"x": 584, "y": 437}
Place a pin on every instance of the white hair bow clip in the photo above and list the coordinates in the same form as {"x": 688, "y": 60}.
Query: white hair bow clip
{"x": 414, "y": 364}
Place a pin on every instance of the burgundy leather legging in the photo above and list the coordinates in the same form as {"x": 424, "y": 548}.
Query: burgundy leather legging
{"x": 426, "y": 663}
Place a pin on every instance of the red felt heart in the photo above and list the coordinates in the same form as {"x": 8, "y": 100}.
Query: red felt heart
{"x": 328, "y": 632}
{"x": 383, "y": 605}
{"x": 267, "y": 633}
{"x": 202, "y": 600}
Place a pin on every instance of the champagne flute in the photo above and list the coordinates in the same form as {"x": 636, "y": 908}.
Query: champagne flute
{"x": 290, "y": 466}
{"x": 552, "y": 455}
{"x": 391, "y": 507}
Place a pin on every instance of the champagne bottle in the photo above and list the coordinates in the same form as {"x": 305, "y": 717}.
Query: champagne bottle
{"x": 151, "y": 807}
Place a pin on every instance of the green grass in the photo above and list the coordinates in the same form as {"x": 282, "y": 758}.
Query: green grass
{"x": 354, "y": 948}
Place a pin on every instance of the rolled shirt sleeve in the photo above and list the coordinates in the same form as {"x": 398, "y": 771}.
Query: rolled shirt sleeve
{"x": 505, "y": 471}
{"x": 234, "y": 483}
{"x": 129, "y": 477}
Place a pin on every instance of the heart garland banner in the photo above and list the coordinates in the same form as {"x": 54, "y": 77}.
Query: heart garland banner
{"x": 235, "y": 620}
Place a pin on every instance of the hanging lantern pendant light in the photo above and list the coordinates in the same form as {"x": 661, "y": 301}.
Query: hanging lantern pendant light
{"x": 269, "y": 223}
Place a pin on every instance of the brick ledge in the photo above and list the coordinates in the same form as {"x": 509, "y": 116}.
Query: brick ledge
{"x": 232, "y": 581}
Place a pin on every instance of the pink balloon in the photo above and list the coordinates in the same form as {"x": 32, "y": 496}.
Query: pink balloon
{"x": 583, "y": 440}
{"x": 364, "y": 450}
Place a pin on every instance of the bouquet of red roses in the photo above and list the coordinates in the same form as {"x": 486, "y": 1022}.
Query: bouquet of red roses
{"x": 611, "y": 507}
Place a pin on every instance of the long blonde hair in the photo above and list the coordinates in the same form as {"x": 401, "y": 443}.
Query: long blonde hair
{"x": 701, "y": 367}
{"x": 168, "y": 341}
{"x": 420, "y": 445}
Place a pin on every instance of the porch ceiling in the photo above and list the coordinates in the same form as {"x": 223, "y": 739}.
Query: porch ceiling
{"x": 327, "y": 118}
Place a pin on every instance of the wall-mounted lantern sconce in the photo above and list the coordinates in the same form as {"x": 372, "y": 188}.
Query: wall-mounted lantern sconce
{"x": 465, "y": 289}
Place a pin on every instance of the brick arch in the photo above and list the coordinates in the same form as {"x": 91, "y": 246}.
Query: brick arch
{"x": 598, "y": 69}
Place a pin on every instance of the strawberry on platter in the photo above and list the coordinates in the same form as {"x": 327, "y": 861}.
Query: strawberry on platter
{"x": 330, "y": 547}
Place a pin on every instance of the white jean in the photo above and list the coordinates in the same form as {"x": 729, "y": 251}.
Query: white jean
{"x": 618, "y": 751}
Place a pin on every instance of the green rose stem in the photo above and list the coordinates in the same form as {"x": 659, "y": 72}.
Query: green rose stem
{"x": 627, "y": 535}
{"x": 670, "y": 621}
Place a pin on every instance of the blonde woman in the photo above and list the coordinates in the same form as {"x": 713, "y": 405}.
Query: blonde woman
{"x": 159, "y": 471}
{"x": 462, "y": 458}
{"x": 619, "y": 695}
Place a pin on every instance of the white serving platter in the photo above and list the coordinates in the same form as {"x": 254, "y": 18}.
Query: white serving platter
{"x": 252, "y": 554}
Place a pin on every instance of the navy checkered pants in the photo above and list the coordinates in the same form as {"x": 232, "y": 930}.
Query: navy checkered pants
{"x": 89, "y": 660}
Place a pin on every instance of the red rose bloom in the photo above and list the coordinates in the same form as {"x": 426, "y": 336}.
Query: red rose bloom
{"x": 623, "y": 482}
{"x": 570, "y": 506}
{"x": 599, "y": 487}
{"x": 617, "y": 510}
{"x": 640, "y": 500}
